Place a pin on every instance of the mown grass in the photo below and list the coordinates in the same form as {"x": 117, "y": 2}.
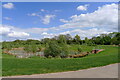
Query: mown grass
{"x": 14, "y": 66}
{"x": 0, "y": 60}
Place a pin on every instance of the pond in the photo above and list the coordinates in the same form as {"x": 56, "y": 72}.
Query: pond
{"x": 24, "y": 54}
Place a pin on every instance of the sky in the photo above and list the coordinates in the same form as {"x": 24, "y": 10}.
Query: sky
{"x": 37, "y": 20}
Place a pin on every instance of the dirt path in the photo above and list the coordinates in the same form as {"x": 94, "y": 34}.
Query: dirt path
{"x": 109, "y": 71}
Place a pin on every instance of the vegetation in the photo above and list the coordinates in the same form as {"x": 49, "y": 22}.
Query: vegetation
{"x": 57, "y": 46}
{"x": 52, "y": 50}
{"x": 31, "y": 48}
{"x": 37, "y": 65}
{"x": 79, "y": 49}
{"x": 57, "y": 52}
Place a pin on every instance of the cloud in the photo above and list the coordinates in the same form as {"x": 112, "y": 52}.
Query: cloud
{"x": 88, "y": 33}
{"x": 57, "y": 10}
{"x": 48, "y": 35}
{"x": 8, "y": 5}
{"x": 15, "y": 34}
{"x": 62, "y": 20}
{"x": 106, "y": 17}
{"x": 47, "y": 18}
{"x": 7, "y": 18}
{"x": 34, "y": 38}
{"x": 34, "y": 30}
{"x": 82, "y": 7}
{"x": 102, "y": 20}
{"x": 33, "y": 14}
{"x": 4, "y": 30}
{"x": 82, "y": 33}
{"x": 8, "y": 31}
{"x": 44, "y": 33}
{"x": 66, "y": 32}
{"x": 42, "y": 10}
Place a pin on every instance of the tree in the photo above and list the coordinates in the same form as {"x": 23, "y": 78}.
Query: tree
{"x": 68, "y": 38}
{"x": 115, "y": 39}
{"x": 97, "y": 40}
{"x": 45, "y": 41}
{"x": 77, "y": 39}
{"x": 7, "y": 46}
{"x": 86, "y": 40}
{"x": 62, "y": 39}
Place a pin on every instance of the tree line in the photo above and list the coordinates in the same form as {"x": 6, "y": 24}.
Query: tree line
{"x": 103, "y": 39}
{"x": 57, "y": 46}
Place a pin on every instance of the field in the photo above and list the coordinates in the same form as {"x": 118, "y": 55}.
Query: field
{"x": 36, "y": 65}
{"x": 0, "y": 61}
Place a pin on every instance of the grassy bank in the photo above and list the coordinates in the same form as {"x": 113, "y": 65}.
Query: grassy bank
{"x": 15, "y": 66}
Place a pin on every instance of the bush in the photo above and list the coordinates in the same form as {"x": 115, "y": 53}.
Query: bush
{"x": 65, "y": 51}
{"x": 39, "y": 48}
{"x": 30, "y": 48}
{"x": 74, "y": 52}
{"x": 79, "y": 49}
{"x": 52, "y": 50}
{"x": 91, "y": 44}
{"x": 50, "y": 57}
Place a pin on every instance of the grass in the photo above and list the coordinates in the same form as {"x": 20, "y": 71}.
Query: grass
{"x": 0, "y": 61}
{"x": 15, "y": 66}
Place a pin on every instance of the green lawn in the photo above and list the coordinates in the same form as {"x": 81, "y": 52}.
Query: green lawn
{"x": 0, "y": 61}
{"x": 15, "y": 66}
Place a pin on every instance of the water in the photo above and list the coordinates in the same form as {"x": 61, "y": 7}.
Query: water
{"x": 23, "y": 54}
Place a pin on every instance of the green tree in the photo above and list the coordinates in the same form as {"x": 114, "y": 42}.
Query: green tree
{"x": 86, "y": 40}
{"x": 77, "y": 39}
{"x": 62, "y": 39}
{"x": 69, "y": 39}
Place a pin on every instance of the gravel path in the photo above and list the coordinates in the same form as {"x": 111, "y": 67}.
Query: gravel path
{"x": 109, "y": 71}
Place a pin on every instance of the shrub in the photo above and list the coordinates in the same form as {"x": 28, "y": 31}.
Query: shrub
{"x": 50, "y": 57}
{"x": 74, "y": 53}
{"x": 79, "y": 49}
{"x": 91, "y": 44}
{"x": 52, "y": 50}
{"x": 64, "y": 54}
{"x": 31, "y": 48}
{"x": 39, "y": 48}
{"x": 65, "y": 51}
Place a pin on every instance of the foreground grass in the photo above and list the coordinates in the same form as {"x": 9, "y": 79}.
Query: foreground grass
{"x": 0, "y": 61}
{"x": 15, "y": 66}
